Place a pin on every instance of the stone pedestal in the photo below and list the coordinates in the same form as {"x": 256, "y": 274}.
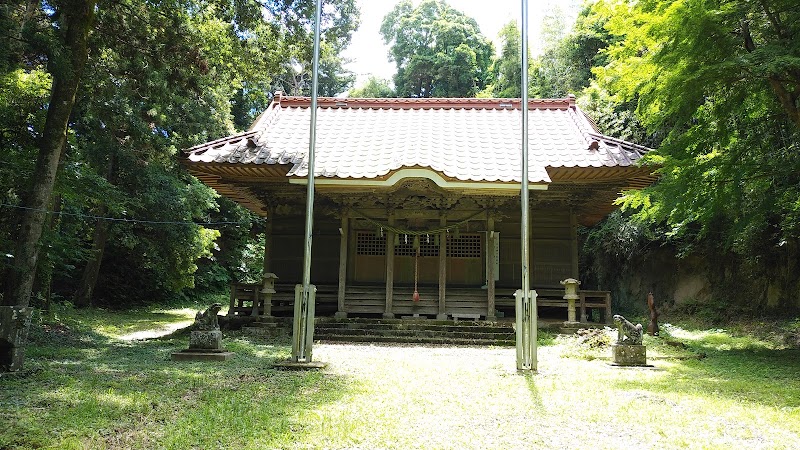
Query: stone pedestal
{"x": 629, "y": 355}
{"x": 570, "y": 327}
{"x": 204, "y": 345}
{"x": 205, "y": 340}
{"x": 202, "y": 355}
{"x": 14, "y": 324}
{"x": 299, "y": 365}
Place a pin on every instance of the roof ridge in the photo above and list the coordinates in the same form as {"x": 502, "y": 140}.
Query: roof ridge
{"x": 581, "y": 121}
{"x": 640, "y": 148}
{"x": 221, "y": 140}
{"x": 266, "y": 117}
{"x": 424, "y": 103}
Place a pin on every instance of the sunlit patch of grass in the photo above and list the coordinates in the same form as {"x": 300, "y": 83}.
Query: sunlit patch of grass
{"x": 118, "y": 324}
{"x": 710, "y": 389}
{"x": 721, "y": 339}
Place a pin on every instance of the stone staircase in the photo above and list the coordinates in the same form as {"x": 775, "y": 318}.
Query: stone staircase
{"x": 414, "y": 331}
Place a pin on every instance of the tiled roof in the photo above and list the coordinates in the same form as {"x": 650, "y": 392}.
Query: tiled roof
{"x": 462, "y": 139}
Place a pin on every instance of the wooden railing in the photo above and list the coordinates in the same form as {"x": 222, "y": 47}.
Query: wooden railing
{"x": 548, "y": 297}
{"x": 246, "y": 299}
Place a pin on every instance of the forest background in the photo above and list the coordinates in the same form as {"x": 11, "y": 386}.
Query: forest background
{"x": 97, "y": 98}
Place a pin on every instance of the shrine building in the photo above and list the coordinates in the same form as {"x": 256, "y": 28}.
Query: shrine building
{"x": 424, "y": 193}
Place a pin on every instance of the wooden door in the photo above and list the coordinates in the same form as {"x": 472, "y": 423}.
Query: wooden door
{"x": 427, "y": 263}
{"x": 369, "y": 261}
{"x": 465, "y": 263}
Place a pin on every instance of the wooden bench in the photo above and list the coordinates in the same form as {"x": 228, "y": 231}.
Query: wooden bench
{"x": 243, "y": 296}
{"x": 595, "y": 299}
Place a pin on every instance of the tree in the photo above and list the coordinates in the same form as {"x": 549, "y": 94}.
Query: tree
{"x": 439, "y": 51}
{"x": 374, "y": 87}
{"x": 107, "y": 92}
{"x": 169, "y": 84}
{"x": 507, "y": 68}
{"x": 68, "y": 35}
{"x": 722, "y": 80}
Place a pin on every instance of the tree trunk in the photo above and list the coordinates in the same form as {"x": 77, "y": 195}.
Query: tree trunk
{"x": 83, "y": 297}
{"x": 67, "y": 65}
{"x": 43, "y": 282}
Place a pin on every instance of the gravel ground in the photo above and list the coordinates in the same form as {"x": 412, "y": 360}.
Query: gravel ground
{"x": 463, "y": 398}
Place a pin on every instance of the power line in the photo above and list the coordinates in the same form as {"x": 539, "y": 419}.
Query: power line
{"x": 117, "y": 219}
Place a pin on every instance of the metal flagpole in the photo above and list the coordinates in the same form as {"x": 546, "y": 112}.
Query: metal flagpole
{"x": 526, "y": 300}
{"x": 303, "y": 329}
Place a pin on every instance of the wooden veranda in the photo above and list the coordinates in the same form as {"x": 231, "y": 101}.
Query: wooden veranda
{"x": 369, "y": 301}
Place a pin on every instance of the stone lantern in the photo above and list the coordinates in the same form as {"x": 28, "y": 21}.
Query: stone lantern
{"x": 570, "y": 295}
{"x": 267, "y": 289}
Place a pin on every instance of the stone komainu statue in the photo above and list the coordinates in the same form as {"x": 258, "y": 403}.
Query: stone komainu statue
{"x": 628, "y": 333}
{"x": 207, "y": 320}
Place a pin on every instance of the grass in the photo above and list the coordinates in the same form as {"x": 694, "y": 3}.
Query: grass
{"x": 85, "y": 387}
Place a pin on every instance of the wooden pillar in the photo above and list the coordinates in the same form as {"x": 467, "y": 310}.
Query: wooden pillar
{"x": 573, "y": 228}
{"x": 268, "y": 241}
{"x": 232, "y": 306}
{"x": 344, "y": 232}
{"x": 490, "y": 244}
{"x": 267, "y": 266}
{"x": 442, "y": 315}
{"x": 390, "y": 236}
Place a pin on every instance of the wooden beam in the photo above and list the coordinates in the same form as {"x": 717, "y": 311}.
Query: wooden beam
{"x": 490, "y": 315}
{"x": 388, "y": 314}
{"x": 345, "y": 232}
{"x": 573, "y": 229}
{"x": 268, "y": 241}
{"x": 267, "y": 268}
{"x": 442, "y": 315}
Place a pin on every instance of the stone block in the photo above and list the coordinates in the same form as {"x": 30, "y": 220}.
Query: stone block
{"x": 299, "y": 365}
{"x": 629, "y": 355}
{"x": 188, "y": 355}
{"x": 14, "y": 324}
{"x": 206, "y": 340}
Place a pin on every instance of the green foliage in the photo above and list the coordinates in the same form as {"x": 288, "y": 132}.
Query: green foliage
{"x": 616, "y": 117}
{"x": 439, "y": 51}
{"x": 238, "y": 253}
{"x": 160, "y": 77}
{"x": 507, "y": 68}
{"x": 374, "y": 87}
{"x": 293, "y": 75}
{"x": 721, "y": 82}
{"x": 610, "y": 249}
{"x": 566, "y": 64}
{"x": 715, "y": 87}
{"x": 23, "y": 97}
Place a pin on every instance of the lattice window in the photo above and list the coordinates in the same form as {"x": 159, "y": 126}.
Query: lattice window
{"x": 370, "y": 243}
{"x": 427, "y": 246}
{"x": 464, "y": 246}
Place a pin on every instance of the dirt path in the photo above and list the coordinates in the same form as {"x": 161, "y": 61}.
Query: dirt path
{"x": 157, "y": 332}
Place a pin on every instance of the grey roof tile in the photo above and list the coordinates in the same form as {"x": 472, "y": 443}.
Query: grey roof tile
{"x": 466, "y": 139}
